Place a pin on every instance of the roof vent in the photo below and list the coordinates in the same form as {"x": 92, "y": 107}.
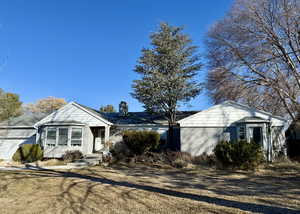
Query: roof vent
{"x": 123, "y": 108}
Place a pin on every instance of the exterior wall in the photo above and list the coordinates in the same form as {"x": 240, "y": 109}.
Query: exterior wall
{"x": 71, "y": 112}
{"x": 199, "y": 140}
{"x": 225, "y": 114}
{"x": 59, "y": 151}
{"x": 12, "y": 138}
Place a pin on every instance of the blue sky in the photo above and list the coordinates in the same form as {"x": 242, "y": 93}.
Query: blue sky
{"x": 85, "y": 50}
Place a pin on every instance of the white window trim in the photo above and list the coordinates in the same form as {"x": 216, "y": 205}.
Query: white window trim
{"x": 238, "y": 132}
{"x": 81, "y": 138}
{"x": 46, "y": 137}
{"x": 69, "y": 143}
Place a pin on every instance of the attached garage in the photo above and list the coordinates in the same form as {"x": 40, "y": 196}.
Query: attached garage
{"x": 231, "y": 121}
{"x": 17, "y": 131}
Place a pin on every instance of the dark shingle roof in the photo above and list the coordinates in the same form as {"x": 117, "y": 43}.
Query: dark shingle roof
{"x": 137, "y": 117}
{"x": 27, "y": 119}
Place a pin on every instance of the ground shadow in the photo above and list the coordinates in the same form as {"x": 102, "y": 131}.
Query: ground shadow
{"x": 95, "y": 180}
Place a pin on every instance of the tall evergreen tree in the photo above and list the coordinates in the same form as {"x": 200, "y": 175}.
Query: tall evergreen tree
{"x": 168, "y": 72}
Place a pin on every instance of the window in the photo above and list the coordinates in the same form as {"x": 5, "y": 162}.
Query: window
{"x": 242, "y": 133}
{"x": 62, "y": 137}
{"x": 76, "y": 137}
{"x": 51, "y": 137}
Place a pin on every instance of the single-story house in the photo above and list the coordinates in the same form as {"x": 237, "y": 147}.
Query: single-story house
{"x": 78, "y": 127}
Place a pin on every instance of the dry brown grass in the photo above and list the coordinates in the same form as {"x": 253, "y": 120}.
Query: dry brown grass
{"x": 273, "y": 189}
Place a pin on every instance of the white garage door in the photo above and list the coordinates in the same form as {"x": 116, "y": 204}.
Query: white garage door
{"x": 9, "y": 146}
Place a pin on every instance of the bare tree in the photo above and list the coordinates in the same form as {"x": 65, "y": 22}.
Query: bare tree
{"x": 46, "y": 105}
{"x": 222, "y": 85}
{"x": 257, "y": 44}
{"x": 107, "y": 108}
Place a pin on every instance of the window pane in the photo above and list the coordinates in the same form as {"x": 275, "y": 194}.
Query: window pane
{"x": 51, "y": 137}
{"x": 76, "y": 139}
{"x": 63, "y": 136}
{"x": 242, "y": 133}
{"x": 76, "y": 133}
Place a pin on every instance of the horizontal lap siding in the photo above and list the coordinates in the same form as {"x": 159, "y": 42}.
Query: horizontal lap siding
{"x": 224, "y": 115}
{"x": 73, "y": 113}
{"x": 14, "y": 133}
{"x": 198, "y": 140}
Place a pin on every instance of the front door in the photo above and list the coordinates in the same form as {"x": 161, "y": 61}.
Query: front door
{"x": 255, "y": 134}
{"x": 98, "y": 134}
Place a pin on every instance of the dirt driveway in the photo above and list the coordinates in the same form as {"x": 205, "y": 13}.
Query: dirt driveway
{"x": 275, "y": 189}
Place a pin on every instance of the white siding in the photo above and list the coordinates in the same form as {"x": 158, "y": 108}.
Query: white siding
{"x": 197, "y": 141}
{"x": 224, "y": 115}
{"x": 71, "y": 112}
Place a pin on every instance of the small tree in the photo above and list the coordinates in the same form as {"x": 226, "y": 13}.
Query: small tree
{"x": 168, "y": 70}
{"x": 10, "y": 105}
{"x": 107, "y": 108}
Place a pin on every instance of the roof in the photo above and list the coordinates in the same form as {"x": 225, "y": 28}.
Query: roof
{"x": 143, "y": 118}
{"x": 134, "y": 118}
{"x": 25, "y": 120}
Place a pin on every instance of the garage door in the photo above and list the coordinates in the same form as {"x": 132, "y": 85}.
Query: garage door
{"x": 9, "y": 146}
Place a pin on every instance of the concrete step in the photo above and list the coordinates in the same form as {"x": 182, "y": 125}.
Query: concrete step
{"x": 93, "y": 156}
{"x": 85, "y": 162}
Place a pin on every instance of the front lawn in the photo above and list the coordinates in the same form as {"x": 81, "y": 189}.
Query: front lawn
{"x": 274, "y": 189}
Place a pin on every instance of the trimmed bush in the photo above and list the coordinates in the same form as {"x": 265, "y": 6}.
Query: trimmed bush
{"x": 241, "y": 155}
{"x": 71, "y": 156}
{"x": 140, "y": 142}
{"x": 28, "y": 153}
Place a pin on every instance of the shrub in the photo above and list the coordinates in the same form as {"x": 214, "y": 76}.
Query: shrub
{"x": 172, "y": 156}
{"x": 178, "y": 159}
{"x": 242, "y": 154}
{"x": 204, "y": 159}
{"x": 140, "y": 142}
{"x": 71, "y": 156}
{"x": 179, "y": 163}
{"x": 120, "y": 151}
{"x": 28, "y": 153}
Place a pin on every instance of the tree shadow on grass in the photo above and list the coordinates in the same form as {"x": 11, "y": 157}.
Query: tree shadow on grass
{"x": 94, "y": 179}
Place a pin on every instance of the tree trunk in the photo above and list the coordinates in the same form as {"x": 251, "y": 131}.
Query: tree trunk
{"x": 173, "y": 142}
{"x": 170, "y": 137}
